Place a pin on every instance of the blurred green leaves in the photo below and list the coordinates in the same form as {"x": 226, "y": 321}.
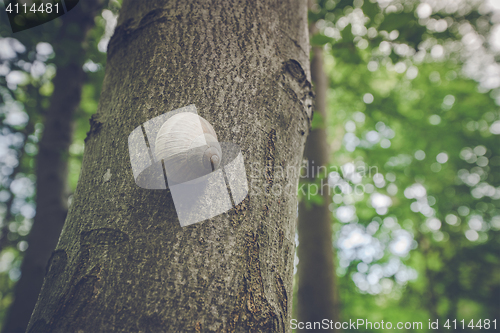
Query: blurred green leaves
{"x": 400, "y": 104}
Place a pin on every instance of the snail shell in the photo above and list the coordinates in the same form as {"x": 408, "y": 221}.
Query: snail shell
{"x": 188, "y": 146}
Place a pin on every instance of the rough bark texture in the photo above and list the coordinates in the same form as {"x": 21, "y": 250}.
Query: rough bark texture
{"x": 51, "y": 168}
{"x": 316, "y": 271}
{"x": 123, "y": 263}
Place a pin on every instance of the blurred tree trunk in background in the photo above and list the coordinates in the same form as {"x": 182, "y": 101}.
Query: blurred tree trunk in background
{"x": 123, "y": 263}
{"x": 316, "y": 272}
{"x": 52, "y": 161}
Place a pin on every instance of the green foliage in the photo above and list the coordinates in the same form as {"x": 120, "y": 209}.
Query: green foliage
{"x": 319, "y": 39}
{"x": 418, "y": 238}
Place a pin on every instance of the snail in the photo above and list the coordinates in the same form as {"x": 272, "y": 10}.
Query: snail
{"x": 188, "y": 146}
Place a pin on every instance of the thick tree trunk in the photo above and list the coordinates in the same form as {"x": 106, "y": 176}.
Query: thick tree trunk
{"x": 123, "y": 263}
{"x": 52, "y": 160}
{"x": 316, "y": 271}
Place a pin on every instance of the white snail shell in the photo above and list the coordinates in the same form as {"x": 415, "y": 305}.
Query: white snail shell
{"x": 188, "y": 146}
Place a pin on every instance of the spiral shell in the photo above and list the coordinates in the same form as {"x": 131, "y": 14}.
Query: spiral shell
{"x": 188, "y": 146}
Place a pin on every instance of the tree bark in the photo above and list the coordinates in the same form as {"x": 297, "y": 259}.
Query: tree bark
{"x": 52, "y": 160}
{"x": 316, "y": 271}
{"x": 123, "y": 263}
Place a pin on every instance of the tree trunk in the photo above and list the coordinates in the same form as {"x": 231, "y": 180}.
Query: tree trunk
{"x": 316, "y": 271}
{"x": 123, "y": 262}
{"x": 52, "y": 160}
